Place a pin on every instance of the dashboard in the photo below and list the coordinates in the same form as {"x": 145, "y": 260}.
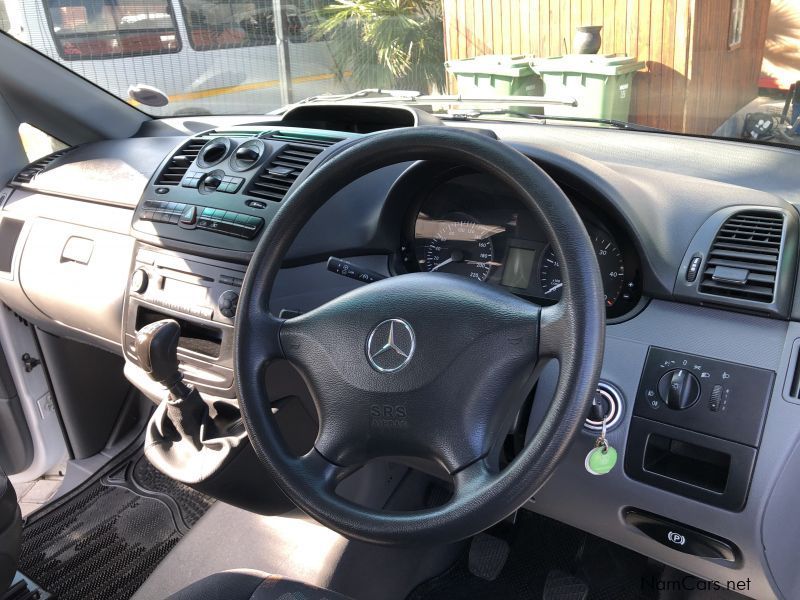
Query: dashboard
{"x": 699, "y": 260}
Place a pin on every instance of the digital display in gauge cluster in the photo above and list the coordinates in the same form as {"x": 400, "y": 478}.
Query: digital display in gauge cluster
{"x": 495, "y": 240}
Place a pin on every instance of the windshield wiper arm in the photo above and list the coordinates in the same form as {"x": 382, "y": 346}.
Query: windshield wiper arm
{"x": 613, "y": 122}
{"x": 468, "y": 114}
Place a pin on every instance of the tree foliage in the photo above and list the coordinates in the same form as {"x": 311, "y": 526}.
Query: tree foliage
{"x": 387, "y": 43}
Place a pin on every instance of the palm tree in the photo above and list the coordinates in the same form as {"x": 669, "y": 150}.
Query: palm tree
{"x": 387, "y": 43}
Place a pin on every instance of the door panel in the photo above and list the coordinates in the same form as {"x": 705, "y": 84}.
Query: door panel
{"x": 16, "y": 447}
{"x": 35, "y": 401}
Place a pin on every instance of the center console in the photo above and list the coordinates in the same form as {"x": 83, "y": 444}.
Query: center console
{"x": 201, "y": 295}
{"x": 220, "y": 188}
{"x": 196, "y": 225}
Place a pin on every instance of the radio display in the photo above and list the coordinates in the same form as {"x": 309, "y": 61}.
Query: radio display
{"x": 184, "y": 293}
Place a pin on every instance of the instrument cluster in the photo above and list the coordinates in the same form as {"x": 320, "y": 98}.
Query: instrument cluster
{"x": 468, "y": 226}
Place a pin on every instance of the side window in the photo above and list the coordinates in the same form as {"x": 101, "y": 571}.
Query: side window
{"x": 95, "y": 29}
{"x": 5, "y": 23}
{"x": 37, "y": 143}
{"x": 737, "y": 23}
{"x": 215, "y": 24}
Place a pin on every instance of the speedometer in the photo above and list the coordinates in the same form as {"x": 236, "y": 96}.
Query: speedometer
{"x": 459, "y": 245}
{"x": 612, "y": 270}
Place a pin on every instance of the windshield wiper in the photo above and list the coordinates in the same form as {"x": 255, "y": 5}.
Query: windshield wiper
{"x": 467, "y": 114}
{"x": 613, "y": 122}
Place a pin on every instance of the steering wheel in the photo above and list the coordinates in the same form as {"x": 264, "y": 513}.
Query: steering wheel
{"x": 424, "y": 365}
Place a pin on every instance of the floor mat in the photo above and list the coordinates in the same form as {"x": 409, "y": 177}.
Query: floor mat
{"x": 103, "y": 540}
{"x": 540, "y": 546}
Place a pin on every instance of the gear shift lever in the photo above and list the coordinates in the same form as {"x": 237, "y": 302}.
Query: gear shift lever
{"x": 189, "y": 438}
{"x": 157, "y": 349}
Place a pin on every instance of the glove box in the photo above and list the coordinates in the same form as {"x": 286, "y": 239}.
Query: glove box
{"x": 77, "y": 275}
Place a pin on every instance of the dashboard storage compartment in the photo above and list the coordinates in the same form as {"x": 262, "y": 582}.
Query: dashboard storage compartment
{"x": 195, "y": 337}
{"x": 696, "y": 465}
{"x": 690, "y": 464}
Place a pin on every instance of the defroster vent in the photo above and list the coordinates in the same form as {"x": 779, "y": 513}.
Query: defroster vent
{"x": 28, "y": 174}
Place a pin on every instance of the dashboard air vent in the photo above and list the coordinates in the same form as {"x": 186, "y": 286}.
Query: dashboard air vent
{"x": 39, "y": 166}
{"x": 743, "y": 260}
{"x": 278, "y": 176}
{"x": 180, "y": 162}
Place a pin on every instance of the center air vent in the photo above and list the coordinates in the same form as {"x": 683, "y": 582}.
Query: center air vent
{"x": 180, "y": 163}
{"x": 247, "y": 155}
{"x": 35, "y": 168}
{"x": 213, "y": 152}
{"x": 743, "y": 260}
{"x": 282, "y": 171}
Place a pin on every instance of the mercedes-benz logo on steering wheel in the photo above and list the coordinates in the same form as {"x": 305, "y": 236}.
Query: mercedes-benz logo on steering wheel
{"x": 391, "y": 345}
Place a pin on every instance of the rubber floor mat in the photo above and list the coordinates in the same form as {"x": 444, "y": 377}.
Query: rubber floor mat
{"x": 103, "y": 540}
{"x": 540, "y": 546}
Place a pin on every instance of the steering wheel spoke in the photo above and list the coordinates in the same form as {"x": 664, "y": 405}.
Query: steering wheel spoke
{"x": 553, "y": 329}
{"x": 471, "y": 478}
{"x": 321, "y": 471}
{"x": 262, "y": 336}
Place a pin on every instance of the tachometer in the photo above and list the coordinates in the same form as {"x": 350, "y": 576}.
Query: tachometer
{"x": 459, "y": 244}
{"x": 612, "y": 270}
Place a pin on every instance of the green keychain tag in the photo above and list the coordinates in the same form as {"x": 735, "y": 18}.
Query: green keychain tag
{"x": 600, "y": 461}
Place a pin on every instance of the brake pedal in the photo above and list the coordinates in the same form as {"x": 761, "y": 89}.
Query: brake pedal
{"x": 487, "y": 556}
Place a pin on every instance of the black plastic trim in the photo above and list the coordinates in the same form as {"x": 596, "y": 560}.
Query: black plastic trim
{"x": 784, "y": 279}
{"x": 680, "y": 537}
{"x": 742, "y": 463}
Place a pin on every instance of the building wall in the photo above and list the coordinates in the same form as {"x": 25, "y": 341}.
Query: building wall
{"x": 667, "y": 34}
{"x": 721, "y": 79}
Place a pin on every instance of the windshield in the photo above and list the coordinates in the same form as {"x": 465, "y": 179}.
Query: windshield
{"x": 725, "y": 68}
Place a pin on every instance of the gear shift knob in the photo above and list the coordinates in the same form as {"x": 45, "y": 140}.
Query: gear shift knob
{"x": 157, "y": 349}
